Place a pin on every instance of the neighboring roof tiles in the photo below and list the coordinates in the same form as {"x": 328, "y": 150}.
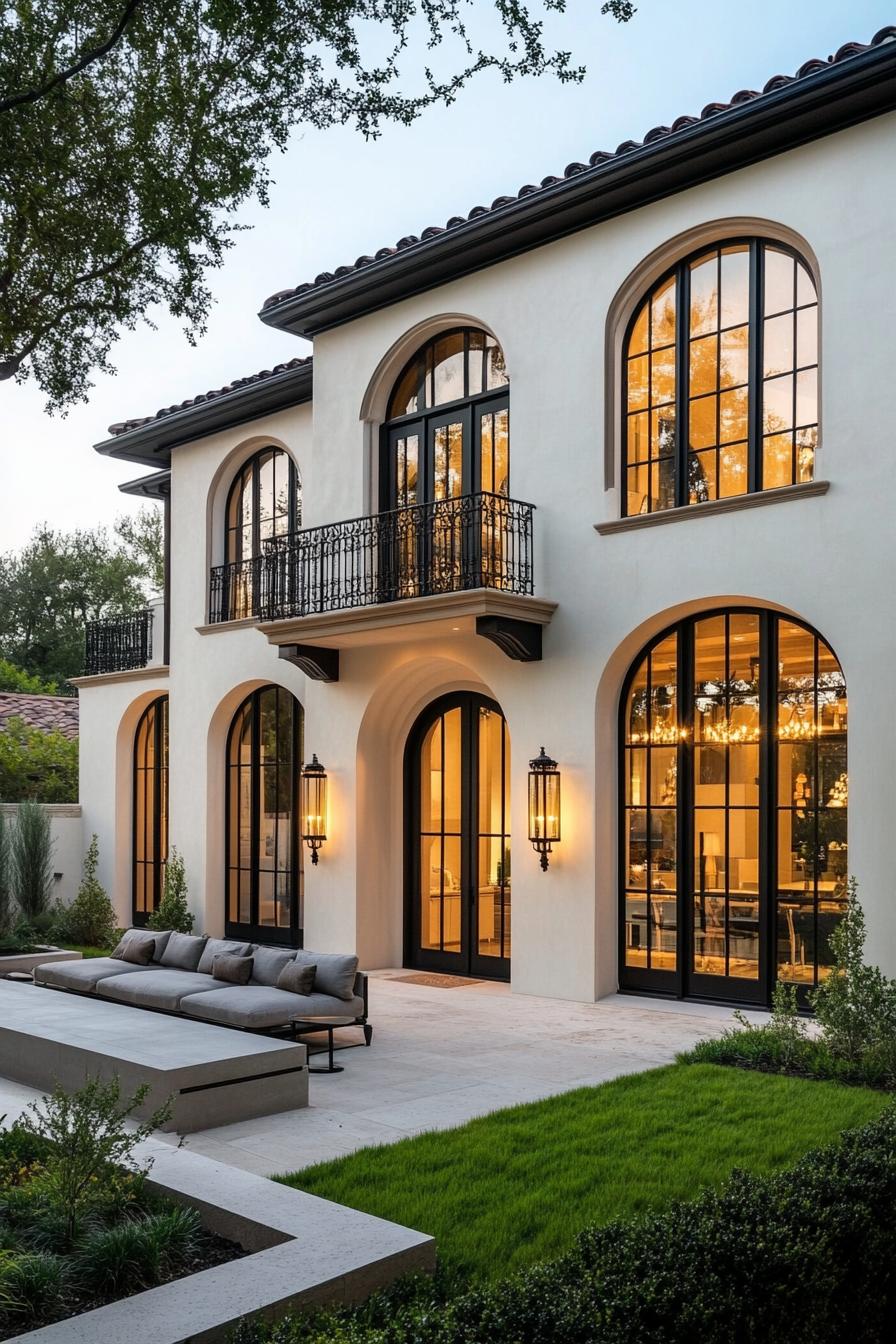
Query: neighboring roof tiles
{"x": 857, "y": 82}
{"x": 50, "y": 713}
{"x": 149, "y": 439}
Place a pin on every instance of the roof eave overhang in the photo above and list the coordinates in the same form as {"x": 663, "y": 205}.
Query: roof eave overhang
{"x": 841, "y": 95}
{"x": 151, "y": 444}
{"x": 155, "y": 486}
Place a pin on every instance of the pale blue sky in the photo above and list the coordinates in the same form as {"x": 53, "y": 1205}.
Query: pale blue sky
{"x": 337, "y": 196}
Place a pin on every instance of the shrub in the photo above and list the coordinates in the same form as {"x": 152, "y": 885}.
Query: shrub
{"x": 804, "y": 1255}
{"x": 34, "y": 1285}
{"x": 173, "y": 912}
{"x": 115, "y": 1260}
{"x": 7, "y": 903}
{"x": 15, "y": 679}
{"x": 90, "y": 919}
{"x": 856, "y": 1004}
{"x": 92, "y": 1138}
{"x": 32, "y": 861}
{"x": 36, "y": 765}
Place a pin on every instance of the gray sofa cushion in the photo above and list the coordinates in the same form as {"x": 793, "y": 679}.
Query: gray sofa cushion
{"x": 183, "y": 952}
{"x": 232, "y": 970}
{"x": 269, "y": 962}
{"x": 217, "y": 947}
{"x": 159, "y": 936}
{"x": 335, "y": 974}
{"x": 157, "y": 989}
{"x": 260, "y": 1006}
{"x": 136, "y": 951}
{"x": 296, "y": 979}
{"x": 85, "y": 975}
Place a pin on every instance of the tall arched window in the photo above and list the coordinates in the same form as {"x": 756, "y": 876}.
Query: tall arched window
{"x": 720, "y": 371}
{"x": 265, "y": 501}
{"x": 734, "y": 797}
{"x": 150, "y": 845}
{"x": 263, "y": 854}
{"x": 447, "y": 429}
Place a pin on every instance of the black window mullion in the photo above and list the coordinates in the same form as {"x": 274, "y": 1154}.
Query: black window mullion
{"x": 754, "y": 369}
{"x": 685, "y": 801}
{"x": 682, "y": 384}
{"x": 768, "y": 799}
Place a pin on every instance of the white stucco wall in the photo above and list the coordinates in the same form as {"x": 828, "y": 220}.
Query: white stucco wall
{"x": 829, "y": 560}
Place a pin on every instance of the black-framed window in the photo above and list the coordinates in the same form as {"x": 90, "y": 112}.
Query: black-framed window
{"x": 447, "y": 429}
{"x": 264, "y": 501}
{"x": 733, "y": 804}
{"x": 720, "y": 378}
{"x": 262, "y": 847}
{"x": 150, "y": 817}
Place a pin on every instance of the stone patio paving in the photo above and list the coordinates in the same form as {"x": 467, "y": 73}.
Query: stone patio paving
{"x": 442, "y": 1056}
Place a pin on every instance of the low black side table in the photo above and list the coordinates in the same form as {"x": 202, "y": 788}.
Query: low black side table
{"x": 304, "y": 1026}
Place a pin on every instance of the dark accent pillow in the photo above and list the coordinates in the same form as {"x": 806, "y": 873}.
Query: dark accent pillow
{"x": 135, "y": 949}
{"x": 296, "y": 979}
{"x": 216, "y": 947}
{"x": 232, "y": 969}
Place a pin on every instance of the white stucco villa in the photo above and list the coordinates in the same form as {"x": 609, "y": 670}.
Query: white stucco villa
{"x": 604, "y": 468}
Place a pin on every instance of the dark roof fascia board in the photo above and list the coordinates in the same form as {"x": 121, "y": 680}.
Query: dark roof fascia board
{"x": 151, "y": 444}
{"x": 842, "y": 95}
{"x": 155, "y": 486}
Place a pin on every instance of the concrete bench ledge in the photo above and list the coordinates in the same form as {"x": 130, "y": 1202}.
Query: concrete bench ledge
{"x": 215, "y": 1076}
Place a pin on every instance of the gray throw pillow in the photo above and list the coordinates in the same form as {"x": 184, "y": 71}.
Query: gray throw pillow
{"x": 218, "y": 947}
{"x": 234, "y": 970}
{"x": 296, "y": 979}
{"x": 137, "y": 950}
{"x": 269, "y": 962}
{"x": 183, "y": 952}
{"x": 160, "y": 937}
{"x": 335, "y": 974}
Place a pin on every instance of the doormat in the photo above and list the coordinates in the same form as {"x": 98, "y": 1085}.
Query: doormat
{"x": 435, "y": 981}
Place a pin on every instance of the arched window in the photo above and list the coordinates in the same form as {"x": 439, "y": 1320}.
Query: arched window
{"x": 150, "y": 845}
{"x": 734, "y": 797}
{"x": 263, "y": 854}
{"x": 265, "y": 501}
{"x": 720, "y": 371}
{"x": 447, "y": 430}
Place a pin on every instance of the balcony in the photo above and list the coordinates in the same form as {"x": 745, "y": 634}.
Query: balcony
{"x": 457, "y": 565}
{"x": 119, "y": 644}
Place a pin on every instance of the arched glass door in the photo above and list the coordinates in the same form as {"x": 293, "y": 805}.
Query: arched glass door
{"x": 263, "y": 854}
{"x": 734, "y": 808}
{"x": 458, "y": 839}
{"x": 150, "y": 808}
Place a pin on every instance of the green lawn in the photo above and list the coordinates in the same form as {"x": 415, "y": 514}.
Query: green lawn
{"x": 87, "y": 951}
{"x": 515, "y": 1187}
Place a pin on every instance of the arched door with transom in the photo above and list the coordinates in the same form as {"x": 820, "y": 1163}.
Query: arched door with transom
{"x": 457, "y": 819}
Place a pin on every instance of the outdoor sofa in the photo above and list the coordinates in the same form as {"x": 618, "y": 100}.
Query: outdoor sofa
{"x": 179, "y": 979}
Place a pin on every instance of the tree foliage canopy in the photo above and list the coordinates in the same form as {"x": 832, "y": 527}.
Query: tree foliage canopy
{"x": 61, "y": 580}
{"x": 132, "y": 130}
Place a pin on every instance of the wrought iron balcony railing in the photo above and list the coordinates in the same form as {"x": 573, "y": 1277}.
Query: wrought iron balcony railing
{"x": 450, "y": 546}
{"x": 119, "y": 643}
{"x": 236, "y": 590}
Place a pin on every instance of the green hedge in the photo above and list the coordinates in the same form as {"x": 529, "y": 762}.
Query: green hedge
{"x": 803, "y": 1256}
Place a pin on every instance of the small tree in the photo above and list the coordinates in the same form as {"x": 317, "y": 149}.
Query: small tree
{"x": 32, "y": 861}
{"x": 853, "y": 1003}
{"x": 93, "y": 1138}
{"x": 173, "y": 912}
{"x": 90, "y": 919}
{"x": 37, "y": 765}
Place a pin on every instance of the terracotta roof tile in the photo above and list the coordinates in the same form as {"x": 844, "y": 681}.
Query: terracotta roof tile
{"x": 50, "y": 713}
{"x": 124, "y": 426}
{"x": 806, "y": 71}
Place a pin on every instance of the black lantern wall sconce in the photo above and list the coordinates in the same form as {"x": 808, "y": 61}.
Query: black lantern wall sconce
{"x": 544, "y": 805}
{"x": 314, "y": 806}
